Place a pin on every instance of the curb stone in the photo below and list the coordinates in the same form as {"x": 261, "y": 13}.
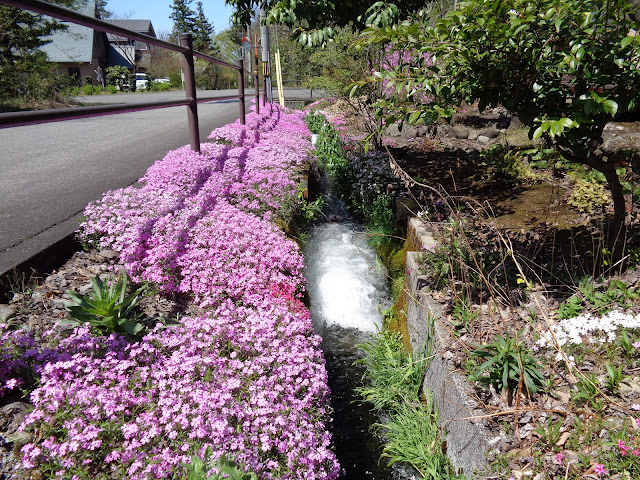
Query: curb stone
{"x": 466, "y": 439}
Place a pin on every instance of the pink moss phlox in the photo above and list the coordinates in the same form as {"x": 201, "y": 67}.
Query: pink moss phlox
{"x": 247, "y": 377}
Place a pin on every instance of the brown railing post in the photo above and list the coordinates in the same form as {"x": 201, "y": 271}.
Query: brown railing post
{"x": 190, "y": 90}
{"x": 257, "y": 85}
{"x": 264, "y": 91}
{"x": 241, "y": 90}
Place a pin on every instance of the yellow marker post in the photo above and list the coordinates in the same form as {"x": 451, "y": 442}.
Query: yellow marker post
{"x": 279, "y": 78}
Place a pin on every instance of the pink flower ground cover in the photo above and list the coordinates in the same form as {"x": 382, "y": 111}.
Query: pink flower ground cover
{"x": 247, "y": 377}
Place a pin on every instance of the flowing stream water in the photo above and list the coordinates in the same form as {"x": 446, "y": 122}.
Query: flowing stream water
{"x": 347, "y": 290}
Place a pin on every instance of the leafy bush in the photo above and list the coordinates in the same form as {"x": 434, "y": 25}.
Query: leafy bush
{"x": 381, "y": 221}
{"x": 159, "y": 87}
{"x": 109, "y": 309}
{"x": 315, "y": 122}
{"x": 392, "y": 383}
{"x": 91, "y": 90}
{"x": 112, "y": 89}
{"x": 507, "y": 165}
{"x": 117, "y": 76}
{"x": 589, "y": 196}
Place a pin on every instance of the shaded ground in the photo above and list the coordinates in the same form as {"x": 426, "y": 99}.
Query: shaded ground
{"x": 511, "y": 257}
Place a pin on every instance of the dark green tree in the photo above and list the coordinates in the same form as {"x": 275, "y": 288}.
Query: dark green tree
{"x": 101, "y": 9}
{"x": 565, "y": 67}
{"x": 24, "y": 69}
{"x": 183, "y": 18}
{"x": 202, "y": 31}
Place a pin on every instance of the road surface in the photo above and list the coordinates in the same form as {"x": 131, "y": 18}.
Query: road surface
{"x": 49, "y": 172}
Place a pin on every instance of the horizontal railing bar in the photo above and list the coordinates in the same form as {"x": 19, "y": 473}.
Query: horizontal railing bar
{"x": 32, "y": 117}
{"x": 69, "y": 15}
{"x": 208, "y": 58}
{"x": 15, "y": 119}
{"x": 230, "y": 97}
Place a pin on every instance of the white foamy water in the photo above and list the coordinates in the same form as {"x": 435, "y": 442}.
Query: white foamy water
{"x": 346, "y": 285}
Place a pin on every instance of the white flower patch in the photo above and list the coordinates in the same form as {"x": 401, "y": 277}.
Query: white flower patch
{"x": 587, "y": 328}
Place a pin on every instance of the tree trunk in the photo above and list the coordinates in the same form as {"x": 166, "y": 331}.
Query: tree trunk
{"x": 616, "y": 234}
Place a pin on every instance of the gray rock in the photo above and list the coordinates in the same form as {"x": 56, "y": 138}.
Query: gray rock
{"x": 460, "y": 131}
{"x": 515, "y": 123}
{"x": 630, "y": 385}
{"x": 12, "y": 415}
{"x": 444, "y": 129}
{"x": 409, "y": 131}
{"x": 37, "y": 296}
{"x": 84, "y": 289}
{"x": 422, "y": 131}
{"x": 17, "y": 297}
{"x": 393, "y": 130}
{"x": 6, "y": 312}
{"x": 56, "y": 281}
{"x": 483, "y": 139}
{"x": 59, "y": 303}
{"x": 473, "y": 134}
{"x": 491, "y": 132}
{"x": 109, "y": 254}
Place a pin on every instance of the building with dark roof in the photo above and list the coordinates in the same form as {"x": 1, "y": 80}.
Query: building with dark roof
{"x": 130, "y": 53}
{"x": 78, "y": 50}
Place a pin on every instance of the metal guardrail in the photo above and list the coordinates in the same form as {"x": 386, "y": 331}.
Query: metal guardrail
{"x": 185, "y": 48}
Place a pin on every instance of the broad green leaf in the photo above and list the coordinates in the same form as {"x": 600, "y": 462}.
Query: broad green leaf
{"x": 626, "y": 41}
{"x": 610, "y": 107}
{"x": 414, "y": 116}
{"x": 538, "y": 133}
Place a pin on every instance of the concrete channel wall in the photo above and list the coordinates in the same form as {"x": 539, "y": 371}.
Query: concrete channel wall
{"x": 466, "y": 438}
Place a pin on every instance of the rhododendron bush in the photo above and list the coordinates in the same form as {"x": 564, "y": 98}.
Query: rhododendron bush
{"x": 245, "y": 377}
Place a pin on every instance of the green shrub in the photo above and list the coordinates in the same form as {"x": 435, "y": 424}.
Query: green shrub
{"x": 381, "y": 221}
{"x": 112, "y": 89}
{"x": 159, "y": 87}
{"x": 589, "y": 196}
{"x": 315, "y": 122}
{"x": 227, "y": 469}
{"x": 507, "y": 165}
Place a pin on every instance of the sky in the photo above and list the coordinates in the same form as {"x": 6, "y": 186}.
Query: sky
{"x": 158, "y": 12}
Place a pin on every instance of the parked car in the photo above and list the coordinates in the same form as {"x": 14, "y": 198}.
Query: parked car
{"x": 142, "y": 81}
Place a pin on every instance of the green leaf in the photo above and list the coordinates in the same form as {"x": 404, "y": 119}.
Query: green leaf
{"x": 610, "y": 107}
{"x": 414, "y": 116}
{"x": 626, "y": 41}
{"x": 538, "y": 133}
{"x": 558, "y": 24}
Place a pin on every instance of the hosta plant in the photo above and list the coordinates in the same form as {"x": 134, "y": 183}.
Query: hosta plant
{"x": 108, "y": 308}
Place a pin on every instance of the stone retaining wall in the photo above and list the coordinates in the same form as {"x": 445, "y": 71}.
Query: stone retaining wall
{"x": 466, "y": 439}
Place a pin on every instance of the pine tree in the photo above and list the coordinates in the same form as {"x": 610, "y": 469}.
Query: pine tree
{"x": 101, "y": 9}
{"x": 183, "y": 18}
{"x": 202, "y": 31}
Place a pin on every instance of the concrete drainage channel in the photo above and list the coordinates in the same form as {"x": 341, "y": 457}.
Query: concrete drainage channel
{"x": 467, "y": 445}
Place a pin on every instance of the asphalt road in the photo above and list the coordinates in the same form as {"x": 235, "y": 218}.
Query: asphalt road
{"x": 49, "y": 172}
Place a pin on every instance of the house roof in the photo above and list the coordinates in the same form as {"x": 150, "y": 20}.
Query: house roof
{"x": 139, "y": 26}
{"x": 75, "y": 44}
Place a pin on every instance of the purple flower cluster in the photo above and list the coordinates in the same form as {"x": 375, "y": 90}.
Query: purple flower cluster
{"x": 404, "y": 62}
{"x": 245, "y": 378}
